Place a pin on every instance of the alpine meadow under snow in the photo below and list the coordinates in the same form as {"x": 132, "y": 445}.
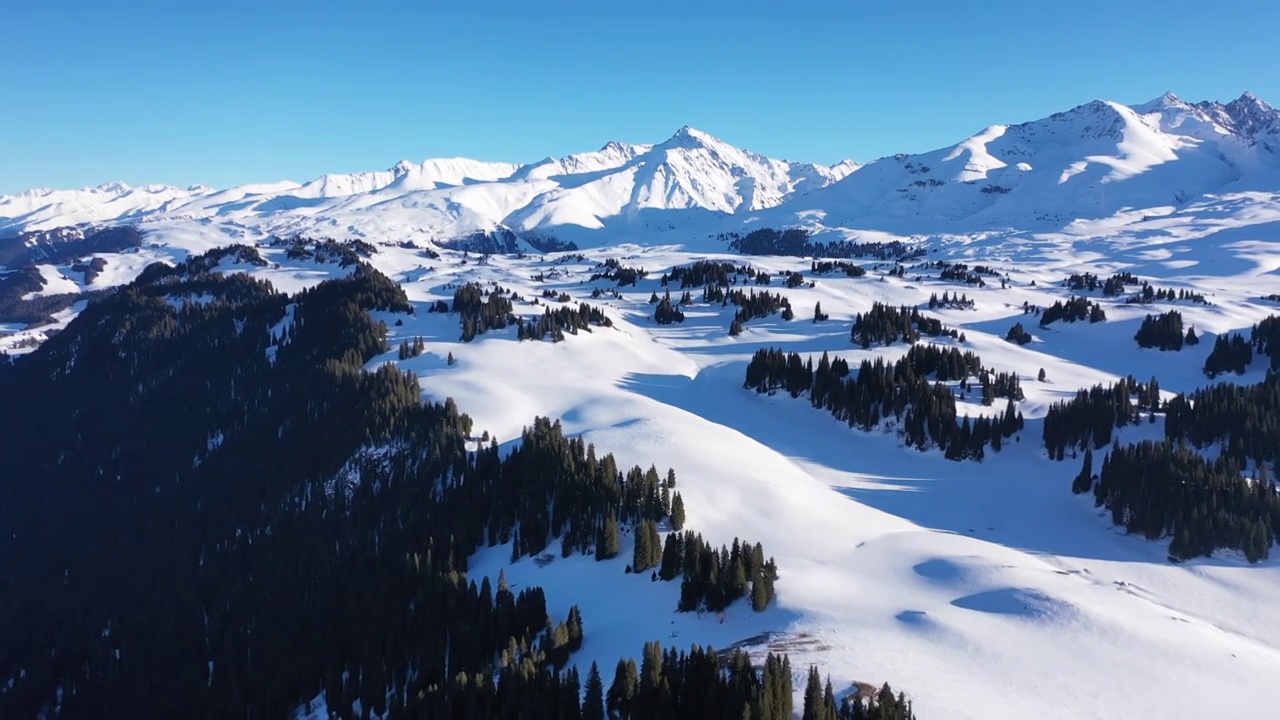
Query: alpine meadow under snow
{"x": 981, "y": 587}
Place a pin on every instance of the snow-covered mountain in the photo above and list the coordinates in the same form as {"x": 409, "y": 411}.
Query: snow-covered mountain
{"x": 1088, "y": 162}
{"x": 619, "y": 186}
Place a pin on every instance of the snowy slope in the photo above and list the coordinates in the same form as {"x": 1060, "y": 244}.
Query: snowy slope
{"x": 953, "y": 581}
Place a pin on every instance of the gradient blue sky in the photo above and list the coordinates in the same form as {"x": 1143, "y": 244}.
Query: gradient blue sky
{"x": 232, "y": 92}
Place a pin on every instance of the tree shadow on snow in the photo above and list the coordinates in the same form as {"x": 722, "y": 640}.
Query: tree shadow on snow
{"x": 1017, "y": 497}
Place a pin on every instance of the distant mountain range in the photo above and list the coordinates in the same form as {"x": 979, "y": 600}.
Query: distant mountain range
{"x": 1088, "y": 162}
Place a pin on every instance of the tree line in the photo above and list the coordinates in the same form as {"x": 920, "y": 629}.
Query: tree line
{"x": 797, "y": 242}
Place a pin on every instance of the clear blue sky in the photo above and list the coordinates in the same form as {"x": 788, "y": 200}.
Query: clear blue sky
{"x": 231, "y": 92}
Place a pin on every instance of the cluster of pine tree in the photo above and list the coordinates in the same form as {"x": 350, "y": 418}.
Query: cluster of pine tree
{"x": 796, "y": 242}
{"x": 482, "y": 310}
{"x": 550, "y": 294}
{"x": 752, "y": 305}
{"x": 1092, "y": 416}
{"x": 623, "y": 275}
{"x": 1111, "y": 287}
{"x": 345, "y": 253}
{"x": 412, "y": 348}
{"x": 1231, "y": 353}
{"x": 1148, "y": 295}
{"x": 708, "y": 685}
{"x": 556, "y": 322}
{"x": 1018, "y": 334}
{"x": 1159, "y": 490}
{"x": 1164, "y": 331}
{"x": 927, "y": 411}
{"x": 1073, "y": 310}
{"x": 953, "y": 302}
{"x": 1265, "y": 338}
{"x": 959, "y": 272}
{"x": 1242, "y": 421}
{"x": 666, "y": 311}
{"x": 712, "y": 579}
{"x": 213, "y": 456}
{"x": 707, "y": 272}
{"x": 825, "y": 267}
{"x": 697, "y": 683}
{"x": 552, "y": 487}
{"x": 795, "y": 280}
{"x": 597, "y": 293}
{"x": 886, "y": 324}
{"x": 820, "y": 703}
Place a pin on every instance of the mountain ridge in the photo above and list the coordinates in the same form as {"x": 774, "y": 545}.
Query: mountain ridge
{"x": 1085, "y": 162}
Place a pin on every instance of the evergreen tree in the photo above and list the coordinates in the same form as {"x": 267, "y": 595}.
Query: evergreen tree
{"x": 1084, "y": 481}
{"x": 813, "y": 700}
{"x": 677, "y": 512}
{"x": 607, "y": 544}
{"x": 593, "y": 703}
{"x": 622, "y": 693}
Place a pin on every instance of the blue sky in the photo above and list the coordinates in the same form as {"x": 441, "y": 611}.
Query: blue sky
{"x": 233, "y": 92}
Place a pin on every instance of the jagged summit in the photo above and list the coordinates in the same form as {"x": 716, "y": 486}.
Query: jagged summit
{"x": 690, "y": 137}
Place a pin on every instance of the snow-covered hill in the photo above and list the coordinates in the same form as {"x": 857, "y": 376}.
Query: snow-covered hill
{"x": 952, "y": 580}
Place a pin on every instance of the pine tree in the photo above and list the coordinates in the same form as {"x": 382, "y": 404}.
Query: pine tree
{"x": 677, "y": 512}
{"x": 622, "y": 693}
{"x": 813, "y": 696}
{"x": 818, "y": 315}
{"x": 759, "y": 593}
{"x": 648, "y": 546}
{"x": 593, "y": 704}
{"x": 1041, "y": 376}
{"x": 1084, "y": 481}
{"x": 607, "y": 544}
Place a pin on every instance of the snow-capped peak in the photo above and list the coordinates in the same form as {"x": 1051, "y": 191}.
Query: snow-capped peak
{"x": 114, "y": 186}
{"x": 843, "y": 168}
{"x": 689, "y": 137}
{"x": 1165, "y": 102}
{"x": 1084, "y": 162}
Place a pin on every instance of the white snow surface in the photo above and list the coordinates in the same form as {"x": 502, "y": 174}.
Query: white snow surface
{"x": 983, "y": 590}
